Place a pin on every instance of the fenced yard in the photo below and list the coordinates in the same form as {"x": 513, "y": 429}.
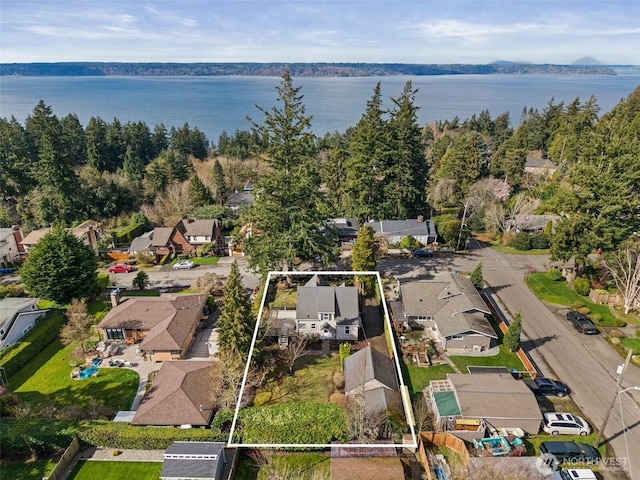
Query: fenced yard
{"x": 107, "y": 470}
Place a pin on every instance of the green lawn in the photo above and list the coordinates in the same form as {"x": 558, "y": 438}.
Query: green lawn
{"x": 503, "y": 359}
{"x": 107, "y": 470}
{"x": 631, "y": 344}
{"x": 35, "y": 470}
{"x": 421, "y": 376}
{"x": 560, "y": 293}
{"x": 312, "y": 381}
{"x": 46, "y": 380}
{"x": 513, "y": 251}
{"x": 199, "y": 260}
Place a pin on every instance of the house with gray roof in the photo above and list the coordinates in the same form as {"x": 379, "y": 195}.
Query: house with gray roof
{"x": 193, "y": 461}
{"x": 237, "y": 200}
{"x": 18, "y": 315}
{"x": 540, "y": 166}
{"x": 466, "y": 405}
{"x": 370, "y": 376}
{"x": 452, "y": 311}
{"x": 532, "y": 223}
{"x": 392, "y": 231}
{"x": 330, "y": 312}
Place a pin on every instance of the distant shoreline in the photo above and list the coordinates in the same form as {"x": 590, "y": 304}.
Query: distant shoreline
{"x": 99, "y": 69}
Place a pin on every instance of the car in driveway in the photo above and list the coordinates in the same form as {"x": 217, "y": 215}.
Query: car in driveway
{"x": 574, "y": 474}
{"x": 573, "y": 452}
{"x": 547, "y": 386}
{"x": 565, "y": 424}
{"x": 423, "y": 252}
{"x": 582, "y": 323}
{"x": 120, "y": 268}
{"x": 184, "y": 265}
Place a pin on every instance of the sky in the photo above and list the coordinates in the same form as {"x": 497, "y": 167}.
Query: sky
{"x": 414, "y": 31}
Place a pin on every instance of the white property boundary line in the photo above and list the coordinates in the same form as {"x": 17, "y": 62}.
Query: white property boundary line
{"x": 405, "y": 398}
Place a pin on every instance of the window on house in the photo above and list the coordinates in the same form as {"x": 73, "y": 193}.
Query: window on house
{"x": 346, "y": 330}
{"x": 457, "y": 337}
{"x": 115, "y": 334}
{"x": 313, "y": 325}
{"x": 326, "y": 317}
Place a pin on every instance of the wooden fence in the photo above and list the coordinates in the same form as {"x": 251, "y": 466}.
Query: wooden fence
{"x": 440, "y": 439}
{"x": 64, "y": 463}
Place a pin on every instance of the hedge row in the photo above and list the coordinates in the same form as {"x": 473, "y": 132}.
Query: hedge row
{"x": 17, "y": 355}
{"x": 122, "y": 435}
{"x": 296, "y": 423}
{"x": 23, "y": 436}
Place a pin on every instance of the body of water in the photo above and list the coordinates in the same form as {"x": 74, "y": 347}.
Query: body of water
{"x": 214, "y": 104}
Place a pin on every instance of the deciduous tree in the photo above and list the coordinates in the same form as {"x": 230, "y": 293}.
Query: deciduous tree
{"x": 79, "y": 326}
{"x": 624, "y": 267}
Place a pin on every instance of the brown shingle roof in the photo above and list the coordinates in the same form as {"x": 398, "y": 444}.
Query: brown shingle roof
{"x": 200, "y": 228}
{"x": 177, "y": 392}
{"x": 169, "y": 318}
{"x": 161, "y": 236}
{"x": 35, "y": 236}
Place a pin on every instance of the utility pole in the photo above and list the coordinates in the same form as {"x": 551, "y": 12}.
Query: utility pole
{"x": 620, "y": 371}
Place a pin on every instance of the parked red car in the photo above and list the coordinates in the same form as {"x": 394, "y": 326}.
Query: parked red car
{"x": 120, "y": 268}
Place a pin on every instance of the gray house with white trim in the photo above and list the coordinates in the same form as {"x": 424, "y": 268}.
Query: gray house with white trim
{"x": 193, "y": 461}
{"x": 393, "y": 231}
{"x": 330, "y": 312}
{"x": 450, "y": 307}
{"x": 18, "y": 315}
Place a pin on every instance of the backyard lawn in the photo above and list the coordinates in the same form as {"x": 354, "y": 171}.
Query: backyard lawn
{"x": 36, "y": 470}
{"x": 46, "y": 380}
{"x": 312, "y": 381}
{"x": 420, "y": 377}
{"x": 301, "y": 466}
{"x": 107, "y": 470}
{"x": 560, "y": 293}
{"x": 503, "y": 359}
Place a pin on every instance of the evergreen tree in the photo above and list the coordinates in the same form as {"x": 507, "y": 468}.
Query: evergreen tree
{"x": 512, "y": 337}
{"x": 199, "y": 194}
{"x": 159, "y": 139}
{"x": 219, "y": 184}
{"x": 141, "y": 280}
{"x": 363, "y": 259}
{"x": 476, "y": 277}
{"x": 73, "y": 138}
{"x": 236, "y": 323}
{"x": 406, "y": 174}
{"x": 367, "y": 161}
{"x": 60, "y": 267}
{"x": 289, "y": 213}
{"x": 97, "y": 149}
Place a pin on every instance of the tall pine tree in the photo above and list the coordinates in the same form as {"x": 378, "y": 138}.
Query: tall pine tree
{"x": 236, "y": 323}
{"x": 290, "y": 210}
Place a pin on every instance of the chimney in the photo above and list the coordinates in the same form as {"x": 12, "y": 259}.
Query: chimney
{"x": 420, "y": 219}
{"x": 115, "y": 297}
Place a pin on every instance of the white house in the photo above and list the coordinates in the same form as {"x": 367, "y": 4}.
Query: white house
{"x": 330, "y": 312}
{"x": 10, "y": 247}
{"x": 17, "y": 316}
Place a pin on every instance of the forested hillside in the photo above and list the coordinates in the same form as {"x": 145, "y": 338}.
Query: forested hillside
{"x": 387, "y": 166}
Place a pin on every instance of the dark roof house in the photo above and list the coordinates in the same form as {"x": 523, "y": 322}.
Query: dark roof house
{"x": 236, "y": 201}
{"x": 193, "y": 461}
{"x": 393, "y": 231}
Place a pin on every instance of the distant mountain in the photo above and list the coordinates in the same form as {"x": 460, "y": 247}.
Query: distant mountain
{"x": 296, "y": 69}
{"x": 587, "y": 61}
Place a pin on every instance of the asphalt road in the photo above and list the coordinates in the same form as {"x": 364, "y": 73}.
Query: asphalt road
{"x": 586, "y": 363}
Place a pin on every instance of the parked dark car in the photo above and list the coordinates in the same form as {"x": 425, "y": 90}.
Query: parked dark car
{"x": 582, "y": 323}
{"x": 423, "y": 252}
{"x": 570, "y": 452}
{"x": 546, "y": 386}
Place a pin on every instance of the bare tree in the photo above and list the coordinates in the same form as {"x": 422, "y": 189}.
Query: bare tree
{"x": 624, "y": 267}
{"x": 503, "y": 219}
{"x": 79, "y": 326}
{"x": 296, "y": 348}
{"x": 421, "y": 414}
{"x": 443, "y": 191}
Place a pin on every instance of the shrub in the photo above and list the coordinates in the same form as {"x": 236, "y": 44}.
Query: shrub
{"x": 521, "y": 241}
{"x": 338, "y": 379}
{"x": 616, "y": 340}
{"x": 125, "y": 436}
{"x": 409, "y": 243}
{"x": 615, "y": 333}
{"x": 554, "y": 275}
{"x": 25, "y": 436}
{"x": 581, "y": 286}
{"x": 584, "y": 311}
{"x": 540, "y": 241}
{"x": 577, "y": 305}
{"x": 595, "y": 317}
{"x": 165, "y": 259}
{"x": 17, "y": 355}
{"x": 103, "y": 281}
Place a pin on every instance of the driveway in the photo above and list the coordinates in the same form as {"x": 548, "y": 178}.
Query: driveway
{"x": 586, "y": 363}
